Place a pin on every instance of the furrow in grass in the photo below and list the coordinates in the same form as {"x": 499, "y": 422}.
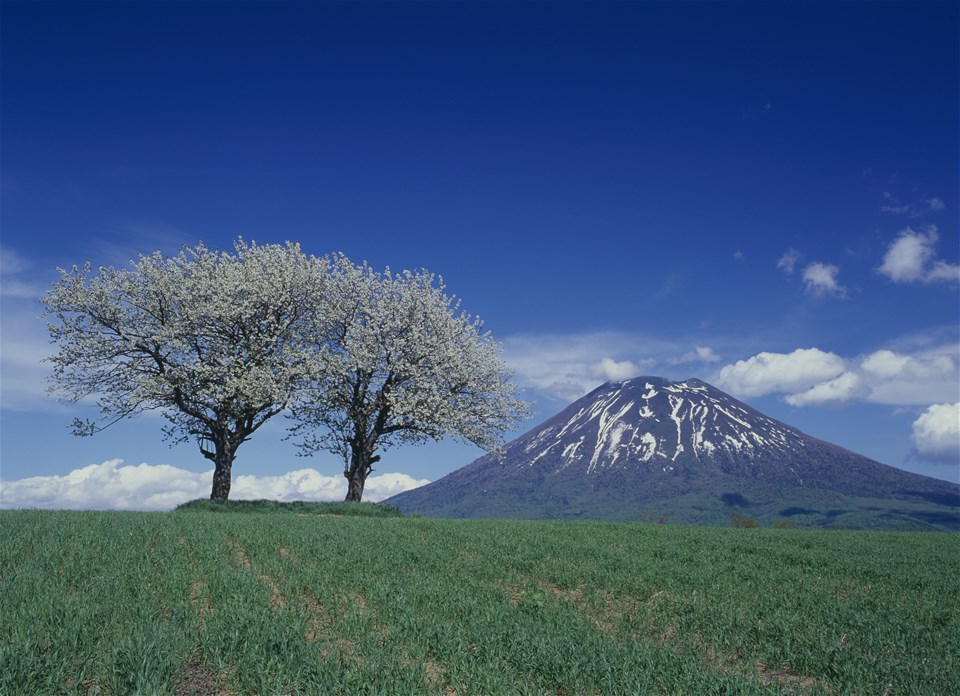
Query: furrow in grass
{"x": 276, "y": 595}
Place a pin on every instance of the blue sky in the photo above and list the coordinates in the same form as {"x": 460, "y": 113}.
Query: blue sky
{"x": 762, "y": 195}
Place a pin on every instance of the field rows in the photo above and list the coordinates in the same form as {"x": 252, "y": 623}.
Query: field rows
{"x": 204, "y": 603}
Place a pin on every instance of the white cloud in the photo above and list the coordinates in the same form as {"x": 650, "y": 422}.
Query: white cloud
{"x": 162, "y": 487}
{"x": 12, "y": 262}
{"x": 936, "y": 433}
{"x": 821, "y": 280}
{"x": 943, "y": 272}
{"x": 910, "y": 259}
{"x": 616, "y": 371}
{"x": 839, "y": 389}
{"x": 766, "y": 373}
{"x": 922, "y": 207}
{"x": 700, "y": 354}
{"x": 788, "y": 262}
{"x": 566, "y": 367}
{"x": 23, "y": 345}
{"x": 811, "y": 377}
{"x": 13, "y": 283}
{"x": 903, "y": 379}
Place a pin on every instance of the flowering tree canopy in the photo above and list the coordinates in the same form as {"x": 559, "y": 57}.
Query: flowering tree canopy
{"x": 403, "y": 365}
{"x": 221, "y": 342}
{"x": 212, "y": 339}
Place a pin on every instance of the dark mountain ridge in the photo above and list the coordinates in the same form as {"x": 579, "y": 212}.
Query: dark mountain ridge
{"x": 649, "y": 448}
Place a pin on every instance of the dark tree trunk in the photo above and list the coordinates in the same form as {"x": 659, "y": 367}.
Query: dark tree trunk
{"x": 222, "y": 456}
{"x": 363, "y": 444}
{"x": 221, "y": 477}
{"x": 362, "y": 460}
{"x": 355, "y": 488}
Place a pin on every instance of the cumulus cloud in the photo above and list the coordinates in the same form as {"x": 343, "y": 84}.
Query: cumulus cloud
{"x": 766, "y": 373}
{"x": 936, "y": 434}
{"x": 811, "y": 377}
{"x": 820, "y": 280}
{"x": 840, "y": 388}
{"x": 616, "y": 370}
{"x": 910, "y": 258}
{"x": 112, "y": 486}
{"x": 788, "y": 262}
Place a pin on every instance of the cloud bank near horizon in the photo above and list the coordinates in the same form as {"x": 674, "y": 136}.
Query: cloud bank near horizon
{"x": 114, "y": 486}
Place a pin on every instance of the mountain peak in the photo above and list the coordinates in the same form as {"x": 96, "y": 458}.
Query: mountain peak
{"x": 652, "y": 420}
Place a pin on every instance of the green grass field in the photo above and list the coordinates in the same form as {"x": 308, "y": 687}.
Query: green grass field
{"x": 198, "y": 602}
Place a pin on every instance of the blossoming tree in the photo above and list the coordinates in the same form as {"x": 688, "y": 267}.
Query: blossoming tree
{"x": 211, "y": 339}
{"x": 403, "y": 365}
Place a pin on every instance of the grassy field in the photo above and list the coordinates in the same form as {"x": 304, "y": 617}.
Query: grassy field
{"x": 198, "y": 602}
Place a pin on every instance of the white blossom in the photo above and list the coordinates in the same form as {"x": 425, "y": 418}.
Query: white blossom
{"x": 404, "y": 364}
{"x": 212, "y": 339}
{"x": 221, "y": 342}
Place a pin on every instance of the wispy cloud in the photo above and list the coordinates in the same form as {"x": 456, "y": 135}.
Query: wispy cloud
{"x": 915, "y": 209}
{"x": 16, "y": 281}
{"x": 564, "y": 367}
{"x": 568, "y": 366}
{"x": 757, "y": 111}
{"x": 138, "y": 238}
{"x": 112, "y": 486}
{"x": 700, "y": 354}
{"x": 670, "y": 283}
{"x": 23, "y": 337}
{"x": 820, "y": 280}
{"x": 788, "y": 262}
{"x": 910, "y": 258}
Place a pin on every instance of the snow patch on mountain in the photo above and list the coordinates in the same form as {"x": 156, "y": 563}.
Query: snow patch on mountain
{"x": 631, "y": 422}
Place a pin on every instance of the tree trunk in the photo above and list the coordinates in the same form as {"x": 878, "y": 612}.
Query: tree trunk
{"x": 355, "y": 488}
{"x": 222, "y": 458}
{"x": 362, "y": 460}
{"x": 223, "y": 463}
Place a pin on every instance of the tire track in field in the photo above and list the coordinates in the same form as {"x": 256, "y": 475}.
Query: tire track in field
{"x": 614, "y": 608}
{"x": 322, "y": 622}
{"x": 276, "y": 595}
{"x": 199, "y": 678}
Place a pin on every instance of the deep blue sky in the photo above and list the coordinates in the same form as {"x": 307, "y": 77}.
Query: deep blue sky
{"x": 597, "y": 180}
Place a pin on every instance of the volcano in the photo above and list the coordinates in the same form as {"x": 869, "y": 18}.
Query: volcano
{"x": 650, "y": 449}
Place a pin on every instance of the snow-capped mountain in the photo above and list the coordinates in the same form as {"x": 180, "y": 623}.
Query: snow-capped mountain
{"x": 658, "y": 423}
{"x": 649, "y": 448}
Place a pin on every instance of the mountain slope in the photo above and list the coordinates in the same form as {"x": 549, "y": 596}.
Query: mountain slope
{"x": 648, "y": 448}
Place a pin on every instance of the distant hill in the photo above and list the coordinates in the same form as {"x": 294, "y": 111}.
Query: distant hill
{"x": 651, "y": 449}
